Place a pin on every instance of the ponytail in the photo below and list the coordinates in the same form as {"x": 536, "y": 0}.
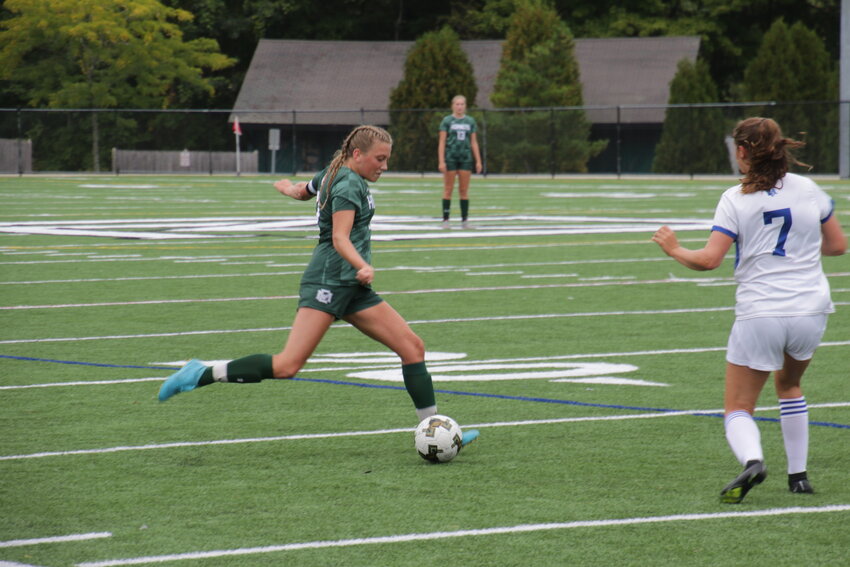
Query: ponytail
{"x": 769, "y": 153}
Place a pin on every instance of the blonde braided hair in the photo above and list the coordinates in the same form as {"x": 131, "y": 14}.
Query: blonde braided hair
{"x": 361, "y": 138}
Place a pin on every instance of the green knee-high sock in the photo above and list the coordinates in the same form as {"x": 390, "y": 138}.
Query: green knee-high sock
{"x": 246, "y": 370}
{"x": 464, "y": 209}
{"x": 417, "y": 381}
{"x": 447, "y": 208}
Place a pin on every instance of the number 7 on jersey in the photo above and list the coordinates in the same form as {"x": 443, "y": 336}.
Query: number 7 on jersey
{"x": 785, "y": 215}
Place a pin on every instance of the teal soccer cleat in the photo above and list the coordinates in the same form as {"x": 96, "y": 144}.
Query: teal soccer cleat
{"x": 183, "y": 380}
{"x": 469, "y": 437}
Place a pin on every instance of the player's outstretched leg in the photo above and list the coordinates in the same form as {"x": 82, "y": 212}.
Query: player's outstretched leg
{"x": 754, "y": 473}
{"x": 183, "y": 380}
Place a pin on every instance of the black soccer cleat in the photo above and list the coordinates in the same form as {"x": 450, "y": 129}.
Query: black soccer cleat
{"x": 798, "y": 483}
{"x": 754, "y": 473}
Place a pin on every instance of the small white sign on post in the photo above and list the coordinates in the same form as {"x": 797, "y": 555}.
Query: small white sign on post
{"x": 185, "y": 159}
{"x": 274, "y": 143}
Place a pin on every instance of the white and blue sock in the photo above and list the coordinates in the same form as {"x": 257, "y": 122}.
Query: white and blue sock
{"x": 794, "y": 418}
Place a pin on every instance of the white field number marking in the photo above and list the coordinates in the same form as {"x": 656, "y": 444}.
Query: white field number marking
{"x": 448, "y": 367}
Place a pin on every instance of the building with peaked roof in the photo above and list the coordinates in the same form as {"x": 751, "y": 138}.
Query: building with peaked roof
{"x": 313, "y": 92}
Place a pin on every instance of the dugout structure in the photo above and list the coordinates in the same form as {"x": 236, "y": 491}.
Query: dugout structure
{"x": 185, "y": 161}
{"x": 15, "y": 155}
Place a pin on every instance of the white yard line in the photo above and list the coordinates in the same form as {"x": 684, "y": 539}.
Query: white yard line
{"x": 605, "y": 283}
{"x": 412, "y": 322}
{"x": 55, "y": 539}
{"x": 406, "y": 430}
{"x": 474, "y": 532}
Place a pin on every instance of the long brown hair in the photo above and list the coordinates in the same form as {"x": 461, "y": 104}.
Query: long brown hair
{"x": 769, "y": 153}
{"x": 361, "y": 138}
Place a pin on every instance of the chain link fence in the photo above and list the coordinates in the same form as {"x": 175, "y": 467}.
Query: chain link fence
{"x": 638, "y": 139}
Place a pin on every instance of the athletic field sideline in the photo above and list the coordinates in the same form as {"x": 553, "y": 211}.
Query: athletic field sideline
{"x": 591, "y": 363}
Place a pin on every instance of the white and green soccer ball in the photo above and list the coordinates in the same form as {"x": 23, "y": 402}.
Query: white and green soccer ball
{"x": 438, "y": 438}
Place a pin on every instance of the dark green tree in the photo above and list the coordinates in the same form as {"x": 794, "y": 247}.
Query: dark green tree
{"x": 538, "y": 69}
{"x": 692, "y": 140}
{"x": 436, "y": 69}
{"x": 793, "y": 66}
{"x": 482, "y": 19}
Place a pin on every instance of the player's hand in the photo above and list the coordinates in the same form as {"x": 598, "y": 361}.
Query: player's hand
{"x": 365, "y": 275}
{"x": 478, "y": 167}
{"x": 666, "y": 239}
{"x": 442, "y": 167}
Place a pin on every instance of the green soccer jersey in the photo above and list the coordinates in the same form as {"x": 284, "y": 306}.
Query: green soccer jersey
{"x": 349, "y": 192}
{"x": 458, "y": 136}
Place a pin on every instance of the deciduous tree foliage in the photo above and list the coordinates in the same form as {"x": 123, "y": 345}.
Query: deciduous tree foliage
{"x": 102, "y": 54}
{"x": 692, "y": 140}
{"x": 436, "y": 69}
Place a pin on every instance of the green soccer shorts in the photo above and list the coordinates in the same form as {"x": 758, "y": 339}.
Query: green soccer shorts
{"x": 458, "y": 164}
{"x": 338, "y": 300}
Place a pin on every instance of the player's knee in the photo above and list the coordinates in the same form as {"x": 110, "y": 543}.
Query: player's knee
{"x": 414, "y": 349}
{"x": 284, "y": 368}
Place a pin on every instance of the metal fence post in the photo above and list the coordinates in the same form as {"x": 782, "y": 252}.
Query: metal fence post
{"x": 552, "y": 141}
{"x": 484, "y": 142}
{"x": 619, "y": 159}
{"x": 209, "y": 152}
{"x": 20, "y": 149}
{"x": 844, "y": 93}
{"x": 294, "y": 154}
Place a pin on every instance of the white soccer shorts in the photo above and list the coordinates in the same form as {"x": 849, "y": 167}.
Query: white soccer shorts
{"x": 761, "y": 343}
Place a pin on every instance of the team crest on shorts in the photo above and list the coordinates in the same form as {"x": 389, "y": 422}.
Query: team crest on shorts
{"x": 324, "y": 296}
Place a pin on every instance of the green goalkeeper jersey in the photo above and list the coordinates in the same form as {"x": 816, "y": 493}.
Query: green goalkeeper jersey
{"x": 458, "y": 136}
{"x": 349, "y": 192}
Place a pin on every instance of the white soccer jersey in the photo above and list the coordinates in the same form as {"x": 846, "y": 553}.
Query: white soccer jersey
{"x": 777, "y": 247}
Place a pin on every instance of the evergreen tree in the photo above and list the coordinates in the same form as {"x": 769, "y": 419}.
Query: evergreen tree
{"x": 539, "y": 69}
{"x": 792, "y": 65}
{"x": 692, "y": 140}
{"x": 436, "y": 69}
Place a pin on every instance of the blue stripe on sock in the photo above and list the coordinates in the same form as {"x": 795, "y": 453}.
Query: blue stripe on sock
{"x": 794, "y": 406}
{"x": 736, "y": 415}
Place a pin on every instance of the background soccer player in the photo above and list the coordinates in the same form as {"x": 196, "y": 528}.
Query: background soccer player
{"x": 457, "y": 153}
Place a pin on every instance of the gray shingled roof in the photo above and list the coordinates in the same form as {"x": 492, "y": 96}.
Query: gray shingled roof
{"x": 349, "y": 82}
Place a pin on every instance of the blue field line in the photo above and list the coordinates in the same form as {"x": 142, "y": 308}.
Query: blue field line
{"x": 555, "y": 401}
{"x": 74, "y": 362}
{"x": 450, "y": 392}
{"x": 497, "y": 396}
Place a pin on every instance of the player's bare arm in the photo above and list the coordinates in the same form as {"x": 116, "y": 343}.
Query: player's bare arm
{"x": 343, "y": 221}
{"x": 297, "y": 191}
{"x": 834, "y": 241}
{"x": 707, "y": 258}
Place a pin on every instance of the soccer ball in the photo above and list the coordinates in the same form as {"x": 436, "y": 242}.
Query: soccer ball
{"x": 438, "y": 438}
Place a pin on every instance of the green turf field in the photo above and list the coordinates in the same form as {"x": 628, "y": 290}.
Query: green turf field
{"x": 590, "y": 362}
